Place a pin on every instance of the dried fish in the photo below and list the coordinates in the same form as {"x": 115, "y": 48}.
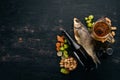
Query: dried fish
{"x": 84, "y": 38}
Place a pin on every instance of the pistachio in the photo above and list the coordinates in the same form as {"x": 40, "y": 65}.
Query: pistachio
{"x": 113, "y": 33}
{"x": 68, "y": 63}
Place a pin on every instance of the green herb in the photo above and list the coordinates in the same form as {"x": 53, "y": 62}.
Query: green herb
{"x": 89, "y": 21}
{"x": 65, "y": 46}
{"x": 89, "y": 25}
{"x": 65, "y": 54}
{"x": 65, "y": 41}
{"x": 90, "y": 17}
{"x": 62, "y": 48}
{"x": 64, "y": 71}
{"x": 86, "y": 18}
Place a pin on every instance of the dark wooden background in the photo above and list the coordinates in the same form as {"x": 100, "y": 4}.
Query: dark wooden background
{"x": 28, "y": 30}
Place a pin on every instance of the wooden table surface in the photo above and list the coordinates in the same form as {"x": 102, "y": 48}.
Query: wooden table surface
{"x": 28, "y": 30}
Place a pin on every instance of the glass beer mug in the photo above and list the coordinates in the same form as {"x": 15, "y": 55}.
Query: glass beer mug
{"x": 102, "y": 30}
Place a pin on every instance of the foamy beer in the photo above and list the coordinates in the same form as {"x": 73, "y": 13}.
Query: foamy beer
{"x": 102, "y": 30}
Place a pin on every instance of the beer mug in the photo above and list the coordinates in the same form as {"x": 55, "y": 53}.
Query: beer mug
{"x": 102, "y": 31}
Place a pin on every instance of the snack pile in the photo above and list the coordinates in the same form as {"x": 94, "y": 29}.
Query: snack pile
{"x": 67, "y": 62}
{"x": 95, "y": 37}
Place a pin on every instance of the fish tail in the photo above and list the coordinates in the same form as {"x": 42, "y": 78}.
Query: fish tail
{"x": 96, "y": 61}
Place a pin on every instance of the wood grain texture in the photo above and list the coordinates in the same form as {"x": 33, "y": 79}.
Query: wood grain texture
{"x": 28, "y": 30}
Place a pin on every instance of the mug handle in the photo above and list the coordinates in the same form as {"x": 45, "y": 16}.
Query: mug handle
{"x": 110, "y": 38}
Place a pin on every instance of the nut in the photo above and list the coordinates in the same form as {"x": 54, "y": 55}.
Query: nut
{"x": 69, "y": 63}
{"x": 113, "y": 33}
{"x": 113, "y": 28}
